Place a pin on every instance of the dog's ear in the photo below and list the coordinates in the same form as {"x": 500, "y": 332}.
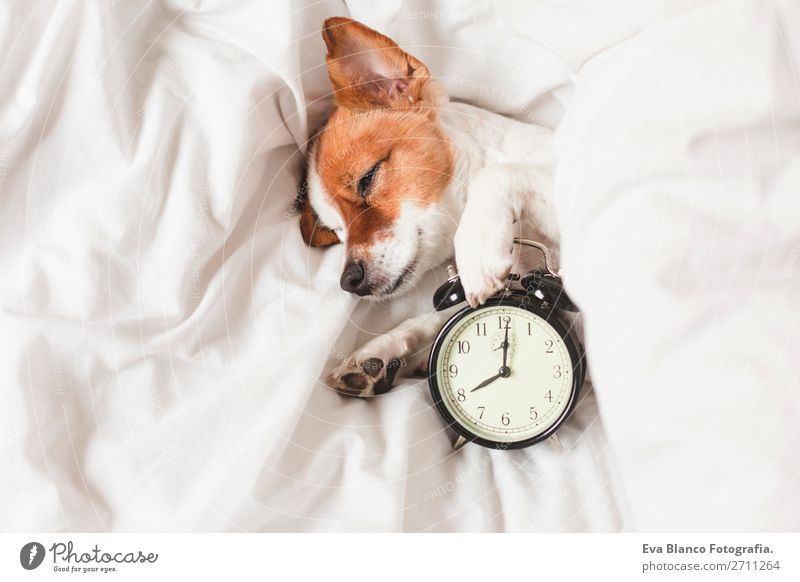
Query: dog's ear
{"x": 368, "y": 69}
{"x": 314, "y": 233}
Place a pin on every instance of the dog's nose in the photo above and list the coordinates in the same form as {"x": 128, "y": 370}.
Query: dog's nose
{"x": 353, "y": 279}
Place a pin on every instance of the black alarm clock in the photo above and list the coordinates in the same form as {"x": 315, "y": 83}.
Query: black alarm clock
{"x": 508, "y": 373}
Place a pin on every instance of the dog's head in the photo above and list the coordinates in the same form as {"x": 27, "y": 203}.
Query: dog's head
{"x": 379, "y": 168}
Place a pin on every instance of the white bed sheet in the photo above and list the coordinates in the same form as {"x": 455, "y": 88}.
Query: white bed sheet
{"x": 679, "y": 200}
{"x": 163, "y": 328}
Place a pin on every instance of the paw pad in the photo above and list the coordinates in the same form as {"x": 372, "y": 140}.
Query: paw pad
{"x": 373, "y": 378}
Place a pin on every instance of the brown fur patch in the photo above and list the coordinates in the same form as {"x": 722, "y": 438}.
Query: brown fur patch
{"x": 417, "y": 166}
{"x": 387, "y": 112}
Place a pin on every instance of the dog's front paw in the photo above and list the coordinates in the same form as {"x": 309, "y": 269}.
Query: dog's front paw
{"x": 372, "y": 369}
{"x": 368, "y": 378}
{"x": 484, "y": 262}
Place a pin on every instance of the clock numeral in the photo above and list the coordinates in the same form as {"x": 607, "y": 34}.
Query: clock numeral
{"x": 549, "y": 396}
{"x": 534, "y": 414}
{"x": 548, "y": 346}
{"x": 482, "y": 409}
{"x": 530, "y": 331}
{"x": 556, "y": 370}
{"x": 461, "y": 396}
{"x": 463, "y": 347}
{"x": 481, "y": 328}
{"x": 504, "y": 321}
{"x": 505, "y": 420}
{"x": 453, "y": 370}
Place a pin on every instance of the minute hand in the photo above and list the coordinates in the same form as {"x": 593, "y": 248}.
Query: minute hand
{"x": 505, "y": 348}
{"x": 486, "y": 382}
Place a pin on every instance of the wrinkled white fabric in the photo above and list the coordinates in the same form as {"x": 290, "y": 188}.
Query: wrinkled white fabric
{"x": 163, "y": 329}
{"x": 679, "y": 199}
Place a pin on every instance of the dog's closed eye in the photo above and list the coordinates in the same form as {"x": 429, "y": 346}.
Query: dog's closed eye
{"x": 365, "y": 182}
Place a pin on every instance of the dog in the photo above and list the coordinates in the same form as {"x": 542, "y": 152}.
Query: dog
{"x": 407, "y": 179}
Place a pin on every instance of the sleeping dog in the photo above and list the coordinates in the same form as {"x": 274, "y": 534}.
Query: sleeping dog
{"x": 407, "y": 179}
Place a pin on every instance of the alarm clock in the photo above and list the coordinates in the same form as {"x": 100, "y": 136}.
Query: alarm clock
{"x": 507, "y": 374}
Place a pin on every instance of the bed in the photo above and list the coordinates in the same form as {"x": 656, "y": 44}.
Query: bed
{"x": 165, "y": 332}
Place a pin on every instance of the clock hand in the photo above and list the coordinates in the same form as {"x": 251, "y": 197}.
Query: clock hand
{"x": 487, "y": 382}
{"x": 504, "y": 372}
{"x": 505, "y": 349}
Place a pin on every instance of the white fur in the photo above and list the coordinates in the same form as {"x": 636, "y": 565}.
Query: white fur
{"x": 503, "y": 179}
{"x": 321, "y": 201}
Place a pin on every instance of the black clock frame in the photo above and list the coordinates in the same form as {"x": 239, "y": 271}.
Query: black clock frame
{"x": 541, "y": 308}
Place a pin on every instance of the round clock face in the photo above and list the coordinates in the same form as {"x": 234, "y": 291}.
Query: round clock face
{"x": 504, "y": 374}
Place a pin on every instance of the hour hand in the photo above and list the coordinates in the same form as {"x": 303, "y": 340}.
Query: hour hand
{"x": 486, "y": 382}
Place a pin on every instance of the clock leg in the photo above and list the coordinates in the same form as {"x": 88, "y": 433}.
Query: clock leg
{"x": 556, "y": 442}
{"x": 459, "y": 442}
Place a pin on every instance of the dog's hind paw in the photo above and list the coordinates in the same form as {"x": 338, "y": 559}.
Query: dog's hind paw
{"x": 370, "y": 377}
